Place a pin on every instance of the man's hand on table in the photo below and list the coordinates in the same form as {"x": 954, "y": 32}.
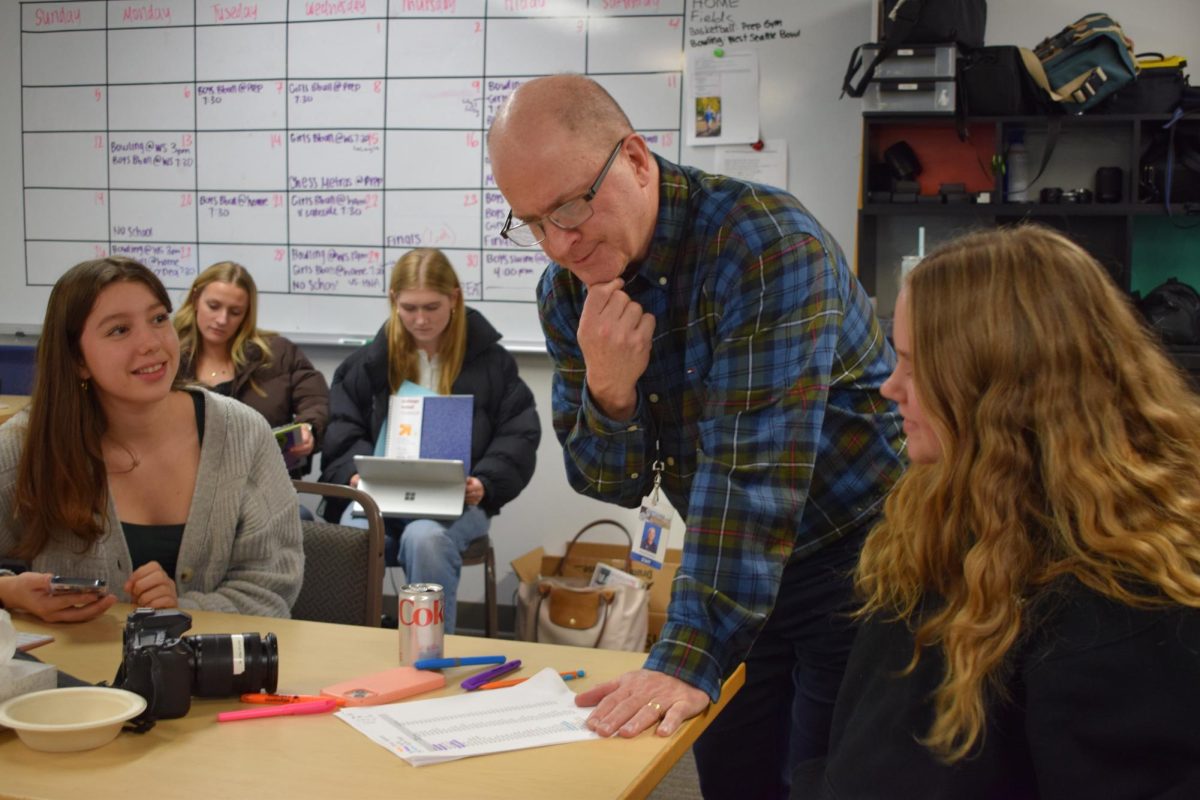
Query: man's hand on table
{"x": 640, "y": 699}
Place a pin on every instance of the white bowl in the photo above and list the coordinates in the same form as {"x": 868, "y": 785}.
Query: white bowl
{"x": 66, "y": 720}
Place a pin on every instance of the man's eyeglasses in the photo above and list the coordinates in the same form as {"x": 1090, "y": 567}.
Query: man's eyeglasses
{"x": 570, "y": 214}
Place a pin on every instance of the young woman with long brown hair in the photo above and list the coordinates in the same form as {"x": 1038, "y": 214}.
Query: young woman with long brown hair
{"x": 1031, "y": 615}
{"x": 174, "y": 497}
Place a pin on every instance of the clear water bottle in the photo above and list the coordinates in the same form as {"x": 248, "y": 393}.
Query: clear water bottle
{"x": 1016, "y": 173}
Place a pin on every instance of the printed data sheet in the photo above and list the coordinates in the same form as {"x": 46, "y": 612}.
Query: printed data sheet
{"x": 539, "y": 712}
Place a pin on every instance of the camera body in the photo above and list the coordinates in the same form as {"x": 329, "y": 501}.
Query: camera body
{"x": 1053, "y": 195}
{"x": 168, "y": 669}
{"x": 1081, "y": 195}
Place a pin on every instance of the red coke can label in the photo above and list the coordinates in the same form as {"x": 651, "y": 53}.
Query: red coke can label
{"x": 421, "y": 611}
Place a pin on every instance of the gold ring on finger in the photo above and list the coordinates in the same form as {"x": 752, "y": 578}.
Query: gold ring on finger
{"x": 656, "y": 706}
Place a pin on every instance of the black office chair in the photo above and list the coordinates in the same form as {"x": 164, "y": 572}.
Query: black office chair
{"x": 343, "y": 566}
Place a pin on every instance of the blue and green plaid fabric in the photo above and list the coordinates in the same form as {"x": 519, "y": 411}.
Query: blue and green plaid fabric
{"x": 762, "y": 393}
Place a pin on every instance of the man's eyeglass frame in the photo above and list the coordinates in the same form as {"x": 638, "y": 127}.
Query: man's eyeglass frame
{"x": 586, "y": 197}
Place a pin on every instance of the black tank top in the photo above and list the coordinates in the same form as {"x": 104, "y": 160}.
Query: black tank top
{"x": 161, "y": 542}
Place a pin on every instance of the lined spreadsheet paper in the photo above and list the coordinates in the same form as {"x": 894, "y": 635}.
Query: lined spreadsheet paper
{"x": 539, "y": 712}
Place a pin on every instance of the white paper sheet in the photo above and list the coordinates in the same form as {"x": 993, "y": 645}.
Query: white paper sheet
{"x": 539, "y": 712}
{"x": 768, "y": 165}
{"x": 722, "y": 98}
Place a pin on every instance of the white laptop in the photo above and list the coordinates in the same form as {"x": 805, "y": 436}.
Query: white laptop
{"x": 417, "y": 488}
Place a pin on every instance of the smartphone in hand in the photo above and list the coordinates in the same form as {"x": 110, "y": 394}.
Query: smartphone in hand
{"x": 63, "y": 585}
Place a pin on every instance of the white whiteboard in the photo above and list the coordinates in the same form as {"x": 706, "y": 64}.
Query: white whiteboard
{"x": 316, "y": 141}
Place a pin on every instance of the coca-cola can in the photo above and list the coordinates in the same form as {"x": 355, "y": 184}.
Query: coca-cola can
{"x": 422, "y": 613}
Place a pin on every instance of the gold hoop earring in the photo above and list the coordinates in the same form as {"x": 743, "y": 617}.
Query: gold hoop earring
{"x": 83, "y": 384}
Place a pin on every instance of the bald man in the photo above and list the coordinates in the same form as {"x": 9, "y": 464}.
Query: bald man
{"x": 710, "y": 324}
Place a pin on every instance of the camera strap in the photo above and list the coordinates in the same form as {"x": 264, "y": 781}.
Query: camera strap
{"x": 145, "y": 721}
{"x": 140, "y": 723}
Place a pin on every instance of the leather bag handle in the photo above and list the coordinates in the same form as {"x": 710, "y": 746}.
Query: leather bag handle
{"x": 588, "y": 527}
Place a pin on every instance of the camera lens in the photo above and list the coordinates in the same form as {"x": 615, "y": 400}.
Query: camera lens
{"x": 229, "y": 664}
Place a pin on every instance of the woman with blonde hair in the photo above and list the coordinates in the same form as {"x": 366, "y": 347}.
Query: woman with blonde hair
{"x": 1031, "y": 615}
{"x": 222, "y": 347}
{"x": 172, "y": 495}
{"x": 433, "y": 340}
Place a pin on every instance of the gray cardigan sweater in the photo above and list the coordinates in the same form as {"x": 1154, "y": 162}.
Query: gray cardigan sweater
{"x": 241, "y": 550}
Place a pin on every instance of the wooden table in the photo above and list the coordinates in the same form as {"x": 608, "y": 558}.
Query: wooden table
{"x": 321, "y": 756}
{"x": 10, "y": 404}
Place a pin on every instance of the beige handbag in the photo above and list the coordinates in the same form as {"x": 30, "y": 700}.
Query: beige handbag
{"x": 562, "y": 610}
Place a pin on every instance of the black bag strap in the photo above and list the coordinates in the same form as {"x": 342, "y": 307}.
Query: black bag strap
{"x": 1189, "y": 159}
{"x": 962, "y": 103}
{"x": 904, "y": 15}
{"x": 1053, "y": 130}
{"x": 856, "y": 61}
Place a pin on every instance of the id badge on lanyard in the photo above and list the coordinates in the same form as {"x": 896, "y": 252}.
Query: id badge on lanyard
{"x": 655, "y": 515}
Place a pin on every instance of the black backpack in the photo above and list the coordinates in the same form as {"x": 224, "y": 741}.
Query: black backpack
{"x": 1173, "y": 311}
{"x": 993, "y": 82}
{"x": 909, "y": 22}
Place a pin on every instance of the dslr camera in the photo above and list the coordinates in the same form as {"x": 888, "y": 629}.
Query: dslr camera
{"x": 168, "y": 668}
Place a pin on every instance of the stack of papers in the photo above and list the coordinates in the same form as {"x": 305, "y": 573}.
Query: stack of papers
{"x": 539, "y": 712}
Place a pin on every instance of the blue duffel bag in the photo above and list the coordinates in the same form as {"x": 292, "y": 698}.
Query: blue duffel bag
{"x": 1083, "y": 63}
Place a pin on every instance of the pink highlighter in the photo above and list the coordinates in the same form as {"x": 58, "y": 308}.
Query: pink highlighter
{"x": 283, "y": 710}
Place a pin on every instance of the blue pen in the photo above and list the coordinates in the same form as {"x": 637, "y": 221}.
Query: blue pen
{"x": 487, "y": 676}
{"x": 468, "y": 661}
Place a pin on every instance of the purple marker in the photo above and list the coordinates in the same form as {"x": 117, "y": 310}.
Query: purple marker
{"x": 475, "y": 681}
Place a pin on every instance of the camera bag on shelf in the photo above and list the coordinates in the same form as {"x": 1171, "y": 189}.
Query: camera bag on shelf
{"x": 1159, "y": 87}
{"x": 1173, "y": 311}
{"x": 1083, "y": 63}
{"x": 909, "y": 22}
{"x": 993, "y": 82}
{"x": 565, "y": 610}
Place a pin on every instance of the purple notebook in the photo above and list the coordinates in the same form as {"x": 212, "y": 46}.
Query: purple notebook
{"x": 446, "y": 423}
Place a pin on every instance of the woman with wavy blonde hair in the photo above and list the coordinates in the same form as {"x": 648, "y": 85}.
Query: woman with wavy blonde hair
{"x": 195, "y": 324}
{"x": 1031, "y": 599}
{"x": 222, "y": 347}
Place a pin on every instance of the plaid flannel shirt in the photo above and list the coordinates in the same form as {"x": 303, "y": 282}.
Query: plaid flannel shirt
{"x": 761, "y": 398}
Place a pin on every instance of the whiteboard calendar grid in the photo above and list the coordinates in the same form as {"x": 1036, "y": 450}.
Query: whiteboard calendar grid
{"x": 314, "y": 141}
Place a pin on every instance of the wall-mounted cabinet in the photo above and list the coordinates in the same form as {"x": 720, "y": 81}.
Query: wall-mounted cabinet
{"x": 1134, "y": 237}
